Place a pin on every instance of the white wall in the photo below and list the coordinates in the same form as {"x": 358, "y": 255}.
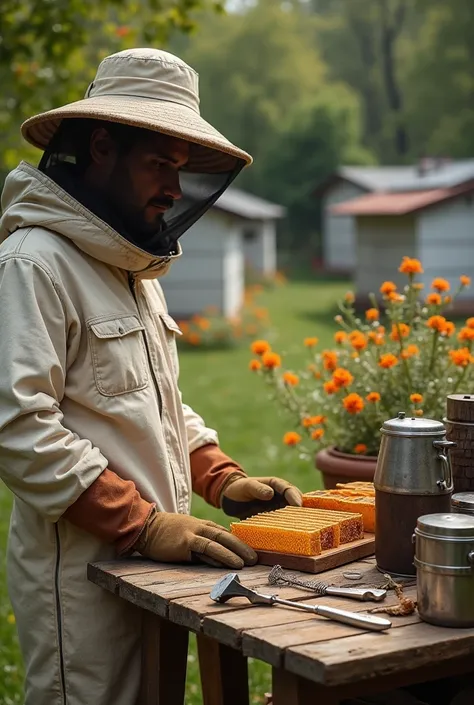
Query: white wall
{"x": 260, "y": 251}
{"x": 339, "y": 235}
{"x": 210, "y": 271}
{"x": 445, "y": 235}
{"x": 382, "y": 241}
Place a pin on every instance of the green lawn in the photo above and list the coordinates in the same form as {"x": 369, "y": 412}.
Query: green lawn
{"x": 220, "y": 387}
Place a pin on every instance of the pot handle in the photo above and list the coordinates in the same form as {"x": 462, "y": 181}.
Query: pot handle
{"x": 442, "y": 447}
{"x": 470, "y": 558}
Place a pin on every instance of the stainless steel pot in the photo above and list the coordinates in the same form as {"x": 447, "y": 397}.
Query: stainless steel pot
{"x": 463, "y": 503}
{"x": 444, "y": 560}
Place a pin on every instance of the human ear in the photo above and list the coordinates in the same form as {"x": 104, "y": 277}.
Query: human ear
{"x": 103, "y": 149}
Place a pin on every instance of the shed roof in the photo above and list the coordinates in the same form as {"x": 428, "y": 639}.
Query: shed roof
{"x": 446, "y": 174}
{"x": 235, "y": 201}
{"x": 399, "y": 203}
{"x": 248, "y": 206}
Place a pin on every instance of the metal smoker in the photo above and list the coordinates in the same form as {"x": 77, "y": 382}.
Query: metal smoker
{"x": 413, "y": 477}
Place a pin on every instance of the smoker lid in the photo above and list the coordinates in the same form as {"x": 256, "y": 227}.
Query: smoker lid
{"x": 404, "y": 425}
{"x": 463, "y": 500}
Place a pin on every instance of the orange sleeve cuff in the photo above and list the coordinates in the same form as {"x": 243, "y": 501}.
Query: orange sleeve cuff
{"x": 111, "y": 509}
{"x": 210, "y": 470}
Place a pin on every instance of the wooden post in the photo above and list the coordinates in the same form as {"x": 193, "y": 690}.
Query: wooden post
{"x": 289, "y": 689}
{"x": 164, "y": 661}
{"x": 460, "y": 428}
{"x": 224, "y": 674}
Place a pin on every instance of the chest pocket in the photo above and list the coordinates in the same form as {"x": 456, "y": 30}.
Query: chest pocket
{"x": 119, "y": 358}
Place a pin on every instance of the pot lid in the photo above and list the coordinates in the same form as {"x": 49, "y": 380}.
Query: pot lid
{"x": 463, "y": 500}
{"x": 447, "y": 525}
{"x": 404, "y": 425}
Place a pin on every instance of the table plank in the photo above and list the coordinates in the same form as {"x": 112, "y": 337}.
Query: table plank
{"x": 270, "y": 643}
{"x": 359, "y": 657}
{"x": 232, "y": 627}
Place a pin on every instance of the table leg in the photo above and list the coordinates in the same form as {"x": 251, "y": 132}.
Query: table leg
{"x": 288, "y": 689}
{"x": 164, "y": 661}
{"x": 224, "y": 674}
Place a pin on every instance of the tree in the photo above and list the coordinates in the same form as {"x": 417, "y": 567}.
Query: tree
{"x": 49, "y": 50}
{"x": 255, "y": 67}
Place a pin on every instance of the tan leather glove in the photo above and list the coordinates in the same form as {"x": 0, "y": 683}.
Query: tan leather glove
{"x": 178, "y": 537}
{"x": 243, "y": 496}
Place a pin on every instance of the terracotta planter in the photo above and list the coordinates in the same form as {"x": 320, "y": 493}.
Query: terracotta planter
{"x": 343, "y": 467}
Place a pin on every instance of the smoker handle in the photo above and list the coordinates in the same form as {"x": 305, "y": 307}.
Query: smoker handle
{"x": 442, "y": 447}
{"x": 470, "y": 558}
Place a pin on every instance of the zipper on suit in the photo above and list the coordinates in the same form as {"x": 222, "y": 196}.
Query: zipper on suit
{"x": 59, "y": 614}
{"x": 131, "y": 281}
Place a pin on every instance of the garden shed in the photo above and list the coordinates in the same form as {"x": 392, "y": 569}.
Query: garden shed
{"x": 350, "y": 183}
{"x": 430, "y": 219}
{"x": 239, "y": 229}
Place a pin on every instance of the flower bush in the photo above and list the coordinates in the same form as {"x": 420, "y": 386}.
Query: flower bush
{"x": 402, "y": 354}
{"x": 211, "y": 330}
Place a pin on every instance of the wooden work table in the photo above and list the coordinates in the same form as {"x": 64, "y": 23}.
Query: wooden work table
{"x": 313, "y": 659}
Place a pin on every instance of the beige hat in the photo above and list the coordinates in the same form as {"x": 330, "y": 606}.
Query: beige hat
{"x": 152, "y": 89}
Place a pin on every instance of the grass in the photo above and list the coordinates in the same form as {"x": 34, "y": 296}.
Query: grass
{"x": 219, "y": 386}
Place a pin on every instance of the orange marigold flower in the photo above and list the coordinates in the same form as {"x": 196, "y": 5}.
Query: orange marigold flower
{"x": 381, "y": 330}
{"x": 433, "y": 299}
{"x": 291, "y": 379}
{"x": 359, "y": 341}
{"x": 465, "y": 281}
{"x": 307, "y": 421}
{"x": 330, "y": 387}
{"x": 388, "y": 360}
{"x": 387, "y": 288}
{"x": 342, "y": 377}
{"x": 447, "y": 299}
{"x": 255, "y": 365}
{"x": 259, "y": 347}
{"x": 318, "y": 419}
{"x": 261, "y": 313}
{"x": 340, "y": 337}
{"x": 317, "y": 434}
{"x": 194, "y": 338}
{"x": 466, "y": 334}
{"x": 122, "y": 31}
{"x": 437, "y": 323}
{"x": 372, "y": 314}
{"x": 396, "y": 298}
{"x": 416, "y": 398}
{"x": 418, "y": 286}
{"x": 291, "y": 438}
{"x": 353, "y": 403}
{"x": 470, "y": 323}
{"x": 310, "y": 342}
{"x": 271, "y": 360}
{"x": 204, "y": 324}
{"x": 373, "y": 397}
{"x": 329, "y": 360}
{"x": 449, "y": 329}
{"x": 349, "y": 297}
{"x": 360, "y": 448}
{"x": 440, "y": 284}
{"x": 317, "y": 374}
{"x": 399, "y": 330}
{"x": 410, "y": 265}
{"x": 461, "y": 357}
{"x": 409, "y": 351}
{"x": 419, "y": 412}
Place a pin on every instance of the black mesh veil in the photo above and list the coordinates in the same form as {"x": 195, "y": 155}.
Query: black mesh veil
{"x": 68, "y": 155}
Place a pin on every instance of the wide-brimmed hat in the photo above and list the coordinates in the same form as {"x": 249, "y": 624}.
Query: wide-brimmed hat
{"x": 152, "y": 89}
